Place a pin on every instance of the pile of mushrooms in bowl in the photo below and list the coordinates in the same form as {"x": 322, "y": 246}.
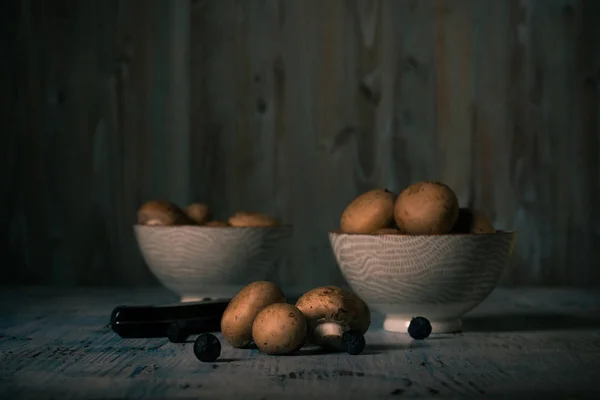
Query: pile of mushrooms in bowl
{"x": 198, "y": 257}
{"x": 420, "y": 254}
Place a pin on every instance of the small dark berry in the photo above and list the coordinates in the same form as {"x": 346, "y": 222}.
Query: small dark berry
{"x": 354, "y": 341}
{"x": 177, "y": 332}
{"x": 419, "y": 328}
{"x": 207, "y": 347}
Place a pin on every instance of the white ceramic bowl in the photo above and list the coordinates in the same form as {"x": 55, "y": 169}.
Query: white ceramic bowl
{"x": 198, "y": 262}
{"x": 439, "y": 277}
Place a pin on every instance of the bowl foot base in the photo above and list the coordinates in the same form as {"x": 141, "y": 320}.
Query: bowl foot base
{"x": 399, "y": 323}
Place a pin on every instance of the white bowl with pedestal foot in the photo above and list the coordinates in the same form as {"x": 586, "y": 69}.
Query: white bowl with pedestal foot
{"x": 211, "y": 262}
{"x": 439, "y": 277}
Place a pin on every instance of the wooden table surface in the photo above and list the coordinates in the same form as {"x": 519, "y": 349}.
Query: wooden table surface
{"x": 523, "y": 343}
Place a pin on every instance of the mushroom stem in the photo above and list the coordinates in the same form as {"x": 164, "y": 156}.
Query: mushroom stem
{"x": 329, "y": 335}
{"x": 338, "y": 319}
{"x": 338, "y": 337}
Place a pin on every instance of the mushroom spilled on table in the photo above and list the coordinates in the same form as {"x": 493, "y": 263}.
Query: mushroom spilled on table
{"x": 279, "y": 329}
{"x": 337, "y": 318}
{"x": 237, "y": 320}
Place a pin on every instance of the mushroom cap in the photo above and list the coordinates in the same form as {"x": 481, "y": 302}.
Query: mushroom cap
{"x": 161, "y": 212}
{"x": 279, "y": 328}
{"x": 217, "y": 223}
{"x": 198, "y": 212}
{"x": 238, "y": 317}
{"x": 332, "y": 304}
{"x": 252, "y": 219}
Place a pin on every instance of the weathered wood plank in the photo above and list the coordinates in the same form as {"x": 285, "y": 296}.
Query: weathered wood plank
{"x": 178, "y": 102}
{"x": 584, "y": 34}
{"x": 491, "y": 119}
{"x": 518, "y": 343}
{"x": 305, "y": 173}
{"x": 414, "y": 125}
{"x": 454, "y": 81}
{"x": 552, "y": 184}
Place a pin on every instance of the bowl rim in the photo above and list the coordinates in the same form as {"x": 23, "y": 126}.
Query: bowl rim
{"x": 498, "y": 232}
{"x": 142, "y": 226}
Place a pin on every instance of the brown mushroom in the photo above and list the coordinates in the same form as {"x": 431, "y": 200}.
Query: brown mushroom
{"x": 279, "y": 328}
{"x": 252, "y": 219}
{"x": 332, "y": 311}
{"x": 198, "y": 212}
{"x": 426, "y": 208}
{"x": 217, "y": 223}
{"x": 238, "y": 317}
{"x": 161, "y": 212}
{"x": 369, "y": 212}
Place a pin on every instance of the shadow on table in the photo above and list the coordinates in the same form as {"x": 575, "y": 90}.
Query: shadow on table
{"x": 528, "y": 322}
{"x": 370, "y": 349}
{"x": 378, "y": 348}
{"x": 227, "y": 360}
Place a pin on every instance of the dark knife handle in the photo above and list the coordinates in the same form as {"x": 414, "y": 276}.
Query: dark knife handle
{"x": 195, "y": 310}
{"x": 141, "y": 329}
{"x": 179, "y": 331}
{"x": 154, "y": 321}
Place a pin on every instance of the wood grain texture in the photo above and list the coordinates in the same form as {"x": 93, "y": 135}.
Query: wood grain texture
{"x": 294, "y": 108}
{"x": 518, "y": 344}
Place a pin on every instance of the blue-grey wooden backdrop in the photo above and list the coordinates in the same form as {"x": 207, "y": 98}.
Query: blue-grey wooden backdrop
{"x": 293, "y": 108}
